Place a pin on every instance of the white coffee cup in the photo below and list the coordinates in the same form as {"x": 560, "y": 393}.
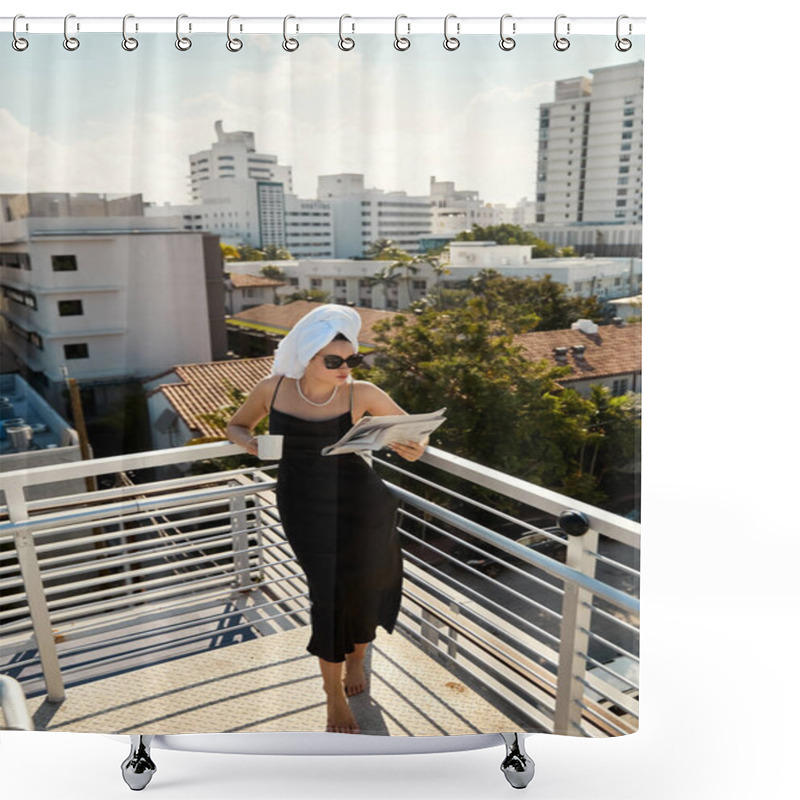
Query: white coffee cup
{"x": 270, "y": 447}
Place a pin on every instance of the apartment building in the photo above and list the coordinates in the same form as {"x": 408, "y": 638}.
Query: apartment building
{"x": 112, "y": 299}
{"x": 362, "y": 216}
{"x": 589, "y": 168}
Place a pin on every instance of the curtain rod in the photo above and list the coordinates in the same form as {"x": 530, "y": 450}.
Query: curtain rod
{"x": 405, "y": 25}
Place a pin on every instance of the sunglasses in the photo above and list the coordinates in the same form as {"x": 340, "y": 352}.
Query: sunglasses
{"x": 334, "y": 362}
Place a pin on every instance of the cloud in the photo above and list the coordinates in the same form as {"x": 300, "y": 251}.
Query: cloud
{"x": 318, "y": 110}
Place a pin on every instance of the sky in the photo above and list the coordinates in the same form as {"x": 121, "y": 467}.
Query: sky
{"x": 104, "y": 120}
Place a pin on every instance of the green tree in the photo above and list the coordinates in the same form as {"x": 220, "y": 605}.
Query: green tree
{"x": 313, "y": 295}
{"x": 229, "y": 252}
{"x": 507, "y": 233}
{"x": 248, "y": 253}
{"x": 528, "y": 304}
{"x": 386, "y": 250}
{"x": 503, "y": 410}
{"x": 274, "y": 252}
{"x": 274, "y": 272}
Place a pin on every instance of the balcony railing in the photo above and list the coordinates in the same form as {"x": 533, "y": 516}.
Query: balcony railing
{"x": 540, "y": 619}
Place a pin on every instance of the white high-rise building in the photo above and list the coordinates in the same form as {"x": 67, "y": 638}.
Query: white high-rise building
{"x": 246, "y": 197}
{"x": 362, "y": 216}
{"x": 589, "y": 169}
{"x": 455, "y": 211}
{"x": 239, "y": 191}
{"x": 233, "y": 157}
{"x": 309, "y": 227}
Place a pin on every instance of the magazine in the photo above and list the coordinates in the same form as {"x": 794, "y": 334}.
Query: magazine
{"x": 375, "y": 433}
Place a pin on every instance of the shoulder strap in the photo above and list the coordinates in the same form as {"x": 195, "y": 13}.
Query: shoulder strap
{"x": 275, "y": 393}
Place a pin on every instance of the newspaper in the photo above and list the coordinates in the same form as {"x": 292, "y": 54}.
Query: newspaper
{"x": 374, "y": 433}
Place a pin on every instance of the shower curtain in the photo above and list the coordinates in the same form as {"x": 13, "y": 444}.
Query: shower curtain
{"x": 171, "y": 208}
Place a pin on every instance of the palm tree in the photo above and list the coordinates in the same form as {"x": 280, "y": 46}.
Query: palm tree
{"x": 275, "y": 252}
{"x": 385, "y": 277}
{"x": 386, "y": 250}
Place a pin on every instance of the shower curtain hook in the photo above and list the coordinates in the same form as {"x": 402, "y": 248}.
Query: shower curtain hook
{"x": 401, "y": 42}
{"x": 451, "y": 42}
{"x": 623, "y": 45}
{"x": 128, "y": 42}
{"x": 70, "y": 42}
{"x": 289, "y": 45}
{"x": 19, "y": 44}
{"x": 234, "y": 45}
{"x": 561, "y": 43}
{"x": 506, "y": 42}
{"x": 182, "y": 42}
{"x": 346, "y": 43}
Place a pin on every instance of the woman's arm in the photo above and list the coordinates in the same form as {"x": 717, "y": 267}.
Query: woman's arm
{"x": 250, "y": 413}
{"x": 377, "y": 403}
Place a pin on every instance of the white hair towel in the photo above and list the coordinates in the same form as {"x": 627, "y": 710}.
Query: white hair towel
{"x": 311, "y": 333}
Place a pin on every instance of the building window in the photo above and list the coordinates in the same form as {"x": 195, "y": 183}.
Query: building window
{"x": 15, "y": 260}
{"x": 621, "y": 203}
{"x": 316, "y": 283}
{"x": 294, "y": 281}
{"x": 627, "y": 134}
{"x": 76, "y": 351}
{"x": 70, "y": 308}
{"x": 619, "y": 387}
{"x": 64, "y": 263}
{"x": 340, "y": 283}
{"x": 419, "y": 285}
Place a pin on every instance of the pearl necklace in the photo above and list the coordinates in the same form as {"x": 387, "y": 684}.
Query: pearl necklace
{"x": 311, "y": 402}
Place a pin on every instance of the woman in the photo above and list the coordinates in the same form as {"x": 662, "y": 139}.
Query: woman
{"x": 337, "y": 514}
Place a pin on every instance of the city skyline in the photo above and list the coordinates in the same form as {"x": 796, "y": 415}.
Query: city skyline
{"x": 363, "y": 119}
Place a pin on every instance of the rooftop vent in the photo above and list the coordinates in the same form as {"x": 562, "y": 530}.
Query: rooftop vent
{"x": 560, "y": 353}
{"x": 618, "y": 321}
{"x": 20, "y": 436}
{"x": 585, "y": 326}
{"x": 578, "y": 350}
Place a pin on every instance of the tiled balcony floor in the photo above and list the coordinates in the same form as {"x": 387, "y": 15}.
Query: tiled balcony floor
{"x": 272, "y": 684}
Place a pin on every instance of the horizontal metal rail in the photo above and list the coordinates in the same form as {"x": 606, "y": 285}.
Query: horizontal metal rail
{"x": 525, "y": 554}
{"x": 605, "y": 522}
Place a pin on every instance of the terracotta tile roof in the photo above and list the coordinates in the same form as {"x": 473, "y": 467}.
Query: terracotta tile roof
{"x": 611, "y": 351}
{"x": 240, "y": 281}
{"x": 203, "y": 388}
{"x": 281, "y": 319}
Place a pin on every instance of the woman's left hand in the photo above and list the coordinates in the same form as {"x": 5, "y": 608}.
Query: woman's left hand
{"x": 410, "y": 451}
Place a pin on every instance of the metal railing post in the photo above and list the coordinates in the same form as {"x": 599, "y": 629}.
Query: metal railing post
{"x": 40, "y": 615}
{"x": 576, "y": 614}
{"x": 241, "y": 559}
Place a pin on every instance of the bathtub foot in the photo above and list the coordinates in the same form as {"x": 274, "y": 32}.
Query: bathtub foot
{"x": 138, "y": 768}
{"x": 517, "y": 766}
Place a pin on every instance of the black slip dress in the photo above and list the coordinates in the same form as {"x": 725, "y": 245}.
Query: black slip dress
{"x": 340, "y": 519}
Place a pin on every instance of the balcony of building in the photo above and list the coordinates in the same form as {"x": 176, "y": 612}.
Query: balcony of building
{"x": 168, "y": 601}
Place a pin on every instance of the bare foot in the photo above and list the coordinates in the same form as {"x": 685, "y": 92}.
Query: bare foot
{"x": 355, "y": 679}
{"x": 340, "y": 717}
